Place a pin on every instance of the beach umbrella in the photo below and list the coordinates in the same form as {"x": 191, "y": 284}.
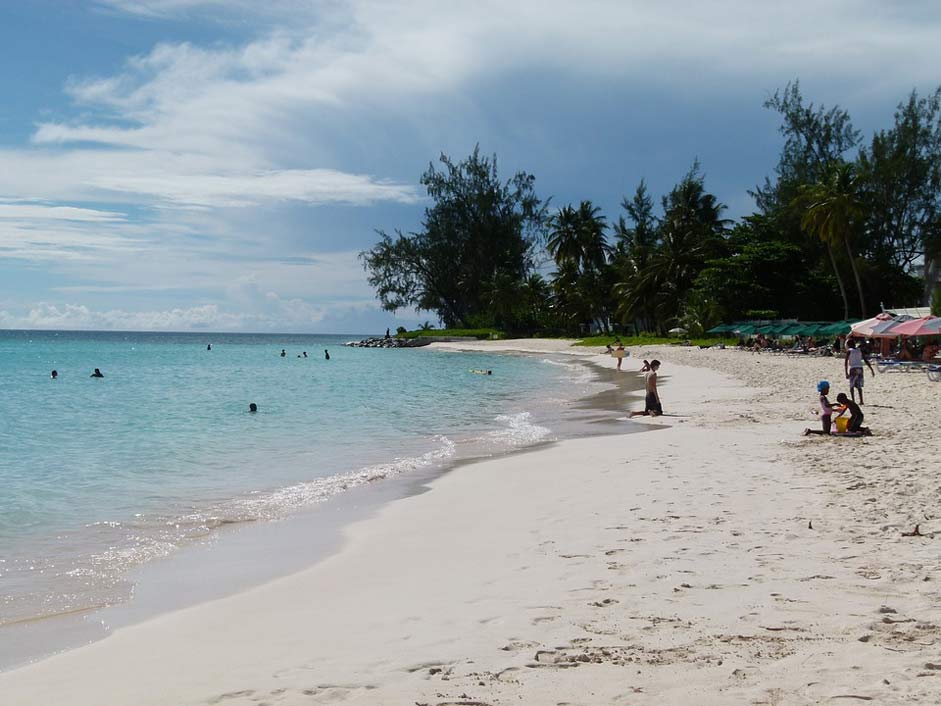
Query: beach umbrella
{"x": 677, "y": 330}
{"x": 887, "y": 328}
{"x": 838, "y": 328}
{"x": 745, "y": 329}
{"x": 865, "y": 328}
{"x": 722, "y": 328}
{"x": 925, "y": 326}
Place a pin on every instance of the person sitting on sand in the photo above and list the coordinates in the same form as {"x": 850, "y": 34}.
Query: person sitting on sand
{"x": 826, "y": 410}
{"x": 855, "y": 425}
{"x": 929, "y": 352}
{"x": 853, "y": 367}
{"x": 652, "y": 406}
{"x": 97, "y": 374}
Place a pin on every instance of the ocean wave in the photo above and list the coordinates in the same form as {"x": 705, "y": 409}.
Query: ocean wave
{"x": 519, "y": 430}
{"x": 577, "y": 372}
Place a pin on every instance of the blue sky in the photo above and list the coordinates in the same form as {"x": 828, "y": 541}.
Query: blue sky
{"x": 217, "y": 164}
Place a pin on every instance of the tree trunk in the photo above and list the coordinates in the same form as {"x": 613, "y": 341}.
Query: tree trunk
{"x": 859, "y": 284}
{"x": 839, "y": 279}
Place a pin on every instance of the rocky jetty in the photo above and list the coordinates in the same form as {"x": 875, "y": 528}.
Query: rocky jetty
{"x": 390, "y": 342}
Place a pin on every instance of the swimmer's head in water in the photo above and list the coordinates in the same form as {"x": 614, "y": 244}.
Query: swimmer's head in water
{"x": 54, "y": 374}
{"x": 252, "y": 407}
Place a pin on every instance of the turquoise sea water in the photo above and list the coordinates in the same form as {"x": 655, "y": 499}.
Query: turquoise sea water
{"x": 100, "y": 475}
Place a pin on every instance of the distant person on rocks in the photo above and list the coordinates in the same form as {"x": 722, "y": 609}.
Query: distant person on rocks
{"x": 652, "y": 406}
{"x": 855, "y": 425}
{"x": 326, "y": 354}
{"x": 826, "y": 410}
{"x": 54, "y": 375}
{"x": 283, "y": 353}
{"x": 252, "y": 407}
{"x": 853, "y": 367}
{"x": 388, "y": 336}
{"x": 97, "y": 374}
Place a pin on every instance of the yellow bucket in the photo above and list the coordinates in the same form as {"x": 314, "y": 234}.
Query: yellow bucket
{"x": 841, "y": 424}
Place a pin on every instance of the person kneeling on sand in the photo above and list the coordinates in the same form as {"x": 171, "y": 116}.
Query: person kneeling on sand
{"x": 855, "y": 426}
{"x": 826, "y": 410}
{"x": 652, "y": 406}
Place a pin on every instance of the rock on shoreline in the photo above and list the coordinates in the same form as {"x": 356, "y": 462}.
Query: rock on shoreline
{"x": 390, "y": 343}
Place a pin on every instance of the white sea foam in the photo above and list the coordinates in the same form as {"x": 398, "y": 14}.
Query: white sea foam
{"x": 576, "y": 372}
{"x": 519, "y": 430}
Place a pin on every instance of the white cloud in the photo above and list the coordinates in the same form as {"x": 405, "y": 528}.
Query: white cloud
{"x": 146, "y": 185}
{"x": 44, "y": 212}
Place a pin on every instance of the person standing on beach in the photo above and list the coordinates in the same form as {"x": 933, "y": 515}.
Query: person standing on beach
{"x": 619, "y": 353}
{"x": 652, "y": 406}
{"x": 853, "y": 367}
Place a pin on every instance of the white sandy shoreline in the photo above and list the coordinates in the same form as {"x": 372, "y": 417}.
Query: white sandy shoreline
{"x": 671, "y": 567}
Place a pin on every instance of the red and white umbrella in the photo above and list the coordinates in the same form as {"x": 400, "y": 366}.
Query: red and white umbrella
{"x": 865, "y": 328}
{"x": 926, "y": 326}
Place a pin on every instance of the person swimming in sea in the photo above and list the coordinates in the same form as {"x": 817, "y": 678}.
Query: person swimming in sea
{"x": 54, "y": 375}
{"x": 208, "y": 346}
{"x": 283, "y": 353}
{"x": 252, "y": 407}
{"x": 481, "y": 372}
{"x": 97, "y": 374}
{"x": 326, "y": 354}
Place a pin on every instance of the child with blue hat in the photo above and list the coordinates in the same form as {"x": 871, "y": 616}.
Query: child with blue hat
{"x": 826, "y": 410}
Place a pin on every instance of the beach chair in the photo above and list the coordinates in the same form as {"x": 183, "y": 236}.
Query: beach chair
{"x": 934, "y": 373}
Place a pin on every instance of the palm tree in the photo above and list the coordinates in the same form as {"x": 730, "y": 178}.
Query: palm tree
{"x": 832, "y": 208}
{"x": 563, "y": 243}
{"x": 580, "y": 249}
{"x": 690, "y": 233}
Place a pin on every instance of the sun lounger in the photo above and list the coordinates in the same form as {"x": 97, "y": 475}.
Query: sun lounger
{"x": 934, "y": 373}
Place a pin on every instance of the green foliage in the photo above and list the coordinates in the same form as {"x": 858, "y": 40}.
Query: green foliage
{"x": 826, "y": 217}
{"x": 580, "y": 249}
{"x": 832, "y": 208}
{"x": 478, "y": 333}
{"x": 478, "y": 235}
{"x": 936, "y": 301}
{"x": 690, "y": 233}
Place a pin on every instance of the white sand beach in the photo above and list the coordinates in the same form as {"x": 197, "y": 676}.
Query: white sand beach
{"x": 720, "y": 559}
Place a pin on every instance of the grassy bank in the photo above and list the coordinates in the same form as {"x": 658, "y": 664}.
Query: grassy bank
{"x": 478, "y": 333}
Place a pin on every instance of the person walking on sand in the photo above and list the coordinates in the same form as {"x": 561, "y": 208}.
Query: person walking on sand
{"x": 853, "y": 367}
{"x": 619, "y": 353}
{"x": 652, "y": 406}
